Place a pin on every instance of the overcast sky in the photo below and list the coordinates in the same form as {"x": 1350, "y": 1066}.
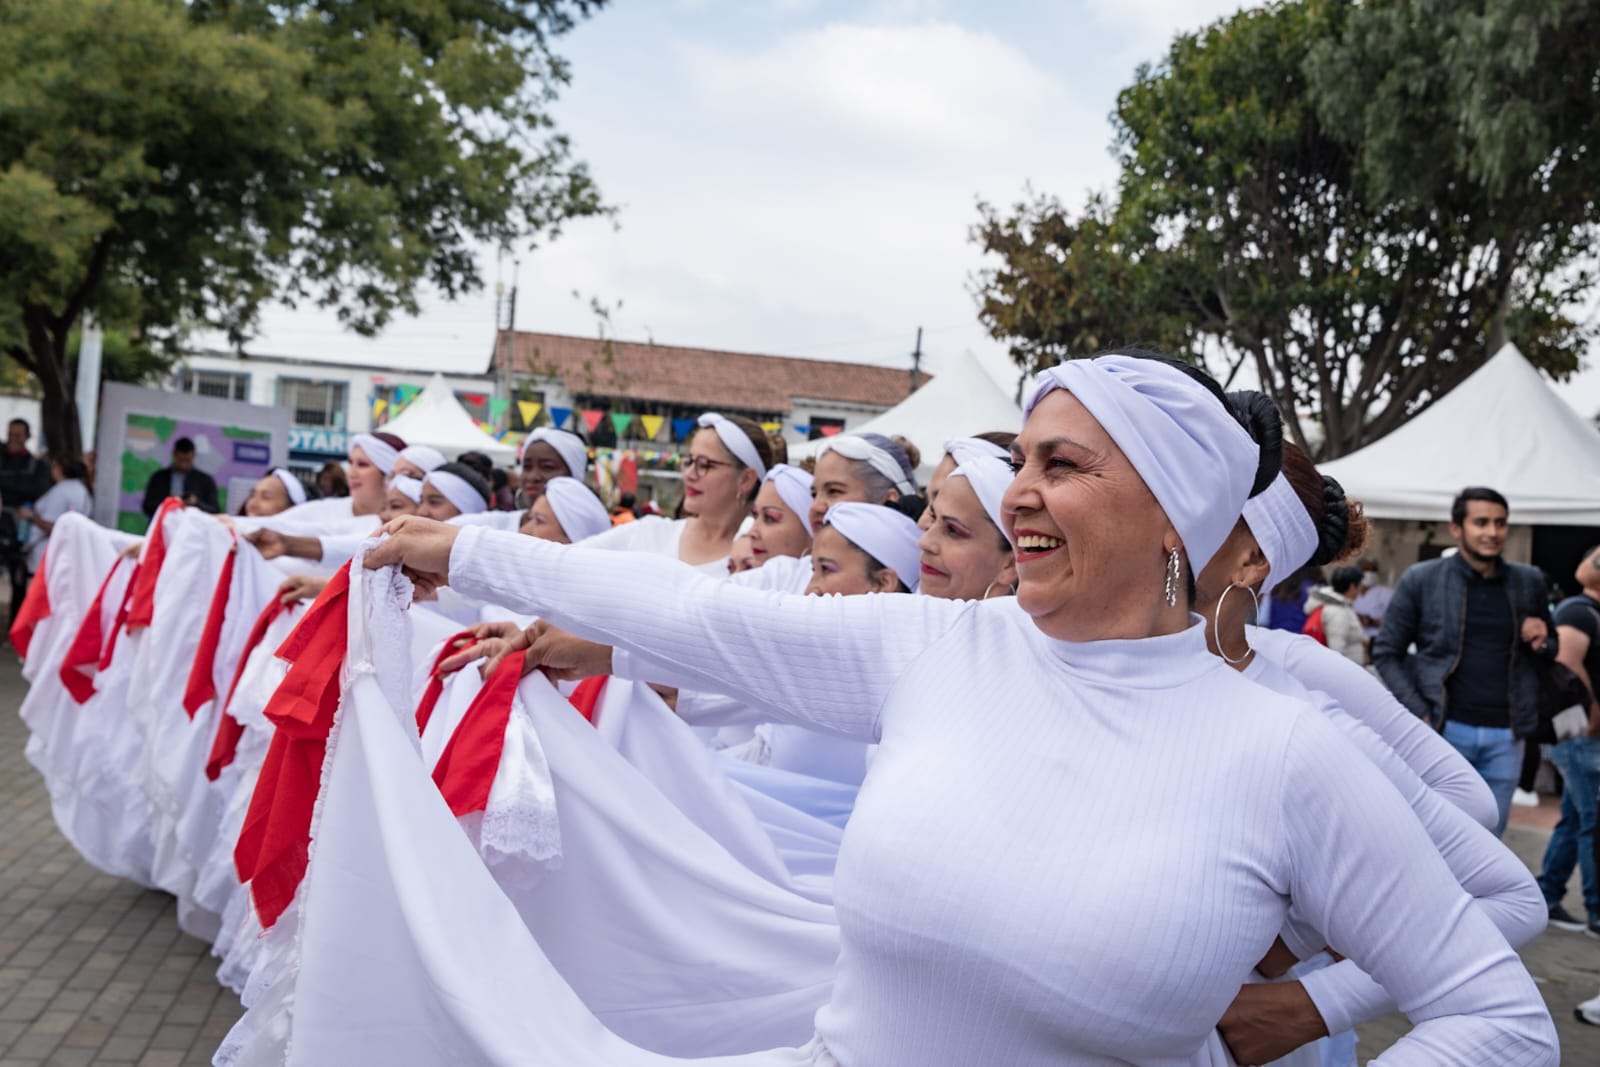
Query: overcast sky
{"x": 799, "y": 177}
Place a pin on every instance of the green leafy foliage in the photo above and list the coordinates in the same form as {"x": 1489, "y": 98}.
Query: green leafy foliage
{"x": 169, "y": 165}
{"x": 1362, "y": 202}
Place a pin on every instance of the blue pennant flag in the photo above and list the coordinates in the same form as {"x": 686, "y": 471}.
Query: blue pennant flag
{"x": 559, "y": 416}
{"x": 682, "y": 428}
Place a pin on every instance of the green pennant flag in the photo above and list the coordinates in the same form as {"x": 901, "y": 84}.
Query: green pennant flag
{"x": 497, "y": 408}
{"x": 620, "y": 423}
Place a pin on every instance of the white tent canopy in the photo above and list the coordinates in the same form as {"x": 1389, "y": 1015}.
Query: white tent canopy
{"x": 1504, "y": 427}
{"x": 958, "y": 402}
{"x": 436, "y": 418}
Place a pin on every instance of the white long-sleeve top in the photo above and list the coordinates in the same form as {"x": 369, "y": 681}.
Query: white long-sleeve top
{"x": 1440, "y": 766}
{"x": 1499, "y": 883}
{"x": 988, "y": 880}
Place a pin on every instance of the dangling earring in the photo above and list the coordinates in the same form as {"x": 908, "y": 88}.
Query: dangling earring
{"x": 1216, "y": 625}
{"x": 1174, "y": 577}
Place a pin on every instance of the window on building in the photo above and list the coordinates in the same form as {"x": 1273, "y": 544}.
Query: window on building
{"x": 225, "y": 385}
{"x": 314, "y": 403}
{"x": 824, "y": 428}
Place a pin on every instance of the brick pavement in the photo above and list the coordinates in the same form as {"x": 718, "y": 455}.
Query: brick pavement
{"x": 93, "y": 969}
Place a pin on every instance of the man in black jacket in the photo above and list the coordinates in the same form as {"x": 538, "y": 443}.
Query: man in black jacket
{"x": 1477, "y": 621}
{"x": 24, "y": 478}
{"x": 183, "y": 480}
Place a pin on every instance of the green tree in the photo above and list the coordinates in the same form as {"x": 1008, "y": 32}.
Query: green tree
{"x": 1281, "y": 205}
{"x": 169, "y": 165}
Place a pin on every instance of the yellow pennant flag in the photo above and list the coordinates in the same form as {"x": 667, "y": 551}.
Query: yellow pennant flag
{"x": 529, "y": 410}
{"x": 772, "y": 427}
{"x": 652, "y": 425}
{"x": 379, "y": 407}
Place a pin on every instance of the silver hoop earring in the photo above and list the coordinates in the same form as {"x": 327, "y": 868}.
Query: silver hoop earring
{"x": 1174, "y": 577}
{"x": 1216, "y": 625}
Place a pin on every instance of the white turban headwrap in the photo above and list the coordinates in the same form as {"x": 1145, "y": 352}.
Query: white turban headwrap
{"x": 1283, "y": 529}
{"x": 882, "y": 533}
{"x": 1196, "y": 459}
{"x": 380, "y": 452}
{"x": 578, "y": 510}
{"x": 291, "y": 485}
{"x": 411, "y": 487}
{"x": 458, "y": 491}
{"x": 989, "y": 478}
{"x": 569, "y": 446}
{"x": 962, "y": 447}
{"x": 794, "y": 489}
{"x": 423, "y": 456}
{"x": 858, "y": 448}
{"x": 735, "y": 440}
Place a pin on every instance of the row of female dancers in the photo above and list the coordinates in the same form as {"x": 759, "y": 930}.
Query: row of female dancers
{"x": 991, "y": 770}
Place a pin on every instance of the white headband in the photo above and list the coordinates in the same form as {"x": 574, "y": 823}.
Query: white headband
{"x": 882, "y": 533}
{"x": 860, "y": 449}
{"x": 579, "y": 511}
{"x": 1192, "y": 454}
{"x": 963, "y": 447}
{"x": 1283, "y": 529}
{"x": 989, "y": 478}
{"x": 380, "y": 452}
{"x": 735, "y": 440}
{"x": 423, "y": 456}
{"x": 458, "y": 491}
{"x": 794, "y": 489}
{"x": 411, "y": 487}
{"x": 569, "y": 446}
{"x": 291, "y": 485}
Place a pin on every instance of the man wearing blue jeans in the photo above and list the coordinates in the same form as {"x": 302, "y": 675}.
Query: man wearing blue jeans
{"x": 1477, "y": 622}
{"x": 1578, "y": 759}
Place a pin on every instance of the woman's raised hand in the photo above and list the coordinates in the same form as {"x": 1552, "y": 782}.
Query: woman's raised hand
{"x": 421, "y": 548}
{"x": 489, "y": 639}
{"x": 300, "y": 587}
{"x": 564, "y": 657}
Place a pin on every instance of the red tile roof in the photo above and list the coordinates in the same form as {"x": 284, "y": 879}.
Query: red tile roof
{"x": 672, "y": 374}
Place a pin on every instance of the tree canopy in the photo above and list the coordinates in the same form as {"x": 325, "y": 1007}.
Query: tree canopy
{"x": 1361, "y": 201}
{"x": 168, "y": 165}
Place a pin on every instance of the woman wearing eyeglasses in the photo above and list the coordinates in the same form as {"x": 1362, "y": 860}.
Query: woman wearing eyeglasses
{"x": 728, "y": 457}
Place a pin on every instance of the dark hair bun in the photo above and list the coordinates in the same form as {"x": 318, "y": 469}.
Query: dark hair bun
{"x": 1335, "y": 524}
{"x": 1261, "y": 419}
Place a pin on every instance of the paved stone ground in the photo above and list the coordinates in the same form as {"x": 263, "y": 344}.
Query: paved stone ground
{"x": 1566, "y": 965}
{"x": 94, "y": 970}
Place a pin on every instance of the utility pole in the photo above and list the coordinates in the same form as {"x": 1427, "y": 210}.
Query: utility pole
{"x": 507, "y": 341}
{"x": 916, "y": 363}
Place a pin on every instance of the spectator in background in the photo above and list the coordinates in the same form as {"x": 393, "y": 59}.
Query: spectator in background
{"x": 503, "y": 498}
{"x": 331, "y": 480}
{"x": 1286, "y": 606}
{"x": 183, "y": 480}
{"x": 70, "y": 492}
{"x": 1477, "y": 621}
{"x": 1578, "y": 759}
{"x": 1341, "y": 626}
{"x": 626, "y": 511}
{"x": 24, "y": 478}
{"x": 1373, "y": 598}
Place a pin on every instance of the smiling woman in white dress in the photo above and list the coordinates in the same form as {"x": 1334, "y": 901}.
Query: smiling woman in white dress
{"x": 1003, "y": 897}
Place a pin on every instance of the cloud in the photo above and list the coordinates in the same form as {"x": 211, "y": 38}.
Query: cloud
{"x": 937, "y": 86}
{"x": 1150, "y": 25}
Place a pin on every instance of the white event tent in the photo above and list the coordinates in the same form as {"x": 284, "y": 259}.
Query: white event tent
{"x": 960, "y": 401}
{"x": 1503, "y": 427}
{"x": 436, "y": 418}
